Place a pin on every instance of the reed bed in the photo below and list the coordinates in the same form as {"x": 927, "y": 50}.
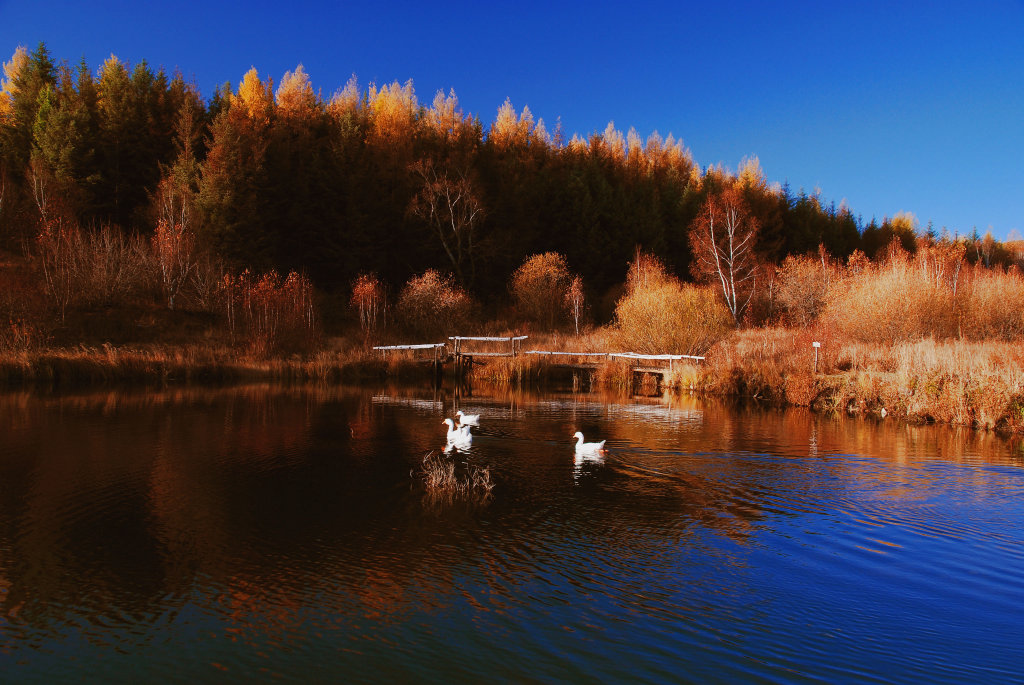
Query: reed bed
{"x": 440, "y": 476}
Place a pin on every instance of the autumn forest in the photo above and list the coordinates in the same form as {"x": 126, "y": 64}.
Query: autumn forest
{"x": 277, "y": 176}
{"x": 272, "y": 217}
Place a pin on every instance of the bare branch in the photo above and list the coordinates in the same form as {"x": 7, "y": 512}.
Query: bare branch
{"x": 447, "y": 202}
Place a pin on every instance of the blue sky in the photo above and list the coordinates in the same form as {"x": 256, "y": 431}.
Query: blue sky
{"x": 909, "y": 106}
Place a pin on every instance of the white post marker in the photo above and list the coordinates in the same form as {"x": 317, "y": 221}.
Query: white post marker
{"x": 816, "y": 345}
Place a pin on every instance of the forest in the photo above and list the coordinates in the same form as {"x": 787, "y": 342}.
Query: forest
{"x": 269, "y": 220}
{"x": 277, "y": 177}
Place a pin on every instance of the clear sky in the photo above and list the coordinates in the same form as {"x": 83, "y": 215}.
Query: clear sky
{"x": 890, "y": 106}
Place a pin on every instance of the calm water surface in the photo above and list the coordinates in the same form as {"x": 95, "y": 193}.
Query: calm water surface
{"x": 269, "y": 533}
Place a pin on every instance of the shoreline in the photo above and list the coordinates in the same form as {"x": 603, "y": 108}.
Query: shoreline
{"x": 984, "y": 397}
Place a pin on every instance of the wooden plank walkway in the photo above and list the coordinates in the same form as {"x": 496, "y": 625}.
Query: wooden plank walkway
{"x": 463, "y": 357}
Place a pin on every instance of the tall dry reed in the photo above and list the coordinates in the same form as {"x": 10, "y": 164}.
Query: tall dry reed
{"x": 440, "y": 476}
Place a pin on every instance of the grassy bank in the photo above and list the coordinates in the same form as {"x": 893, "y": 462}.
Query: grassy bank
{"x": 900, "y": 338}
{"x": 978, "y": 384}
{"x": 84, "y": 366}
{"x": 956, "y": 382}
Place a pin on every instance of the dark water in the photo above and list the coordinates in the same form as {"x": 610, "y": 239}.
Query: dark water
{"x": 274, "y": 534}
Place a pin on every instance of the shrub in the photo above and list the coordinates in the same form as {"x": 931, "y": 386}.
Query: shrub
{"x": 890, "y": 302}
{"x": 645, "y": 271}
{"x": 206, "y": 291}
{"x": 271, "y": 315}
{"x": 119, "y": 267}
{"x": 432, "y": 305}
{"x": 91, "y": 267}
{"x": 802, "y": 288}
{"x": 992, "y": 305}
{"x": 539, "y": 286}
{"x": 59, "y": 255}
{"x": 173, "y": 248}
{"x": 22, "y": 309}
{"x": 667, "y": 317}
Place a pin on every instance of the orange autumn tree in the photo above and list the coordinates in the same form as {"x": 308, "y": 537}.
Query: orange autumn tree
{"x": 722, "y": 239}
{"x": 368, "y": 299}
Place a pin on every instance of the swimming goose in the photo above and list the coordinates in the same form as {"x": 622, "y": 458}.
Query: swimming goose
{"x": 468, "y": 419}
{"x": 587, "y": 447}
{"x": 458, "y": 436}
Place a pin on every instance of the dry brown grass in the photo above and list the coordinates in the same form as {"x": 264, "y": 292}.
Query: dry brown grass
{"x": 957, "y": 382}
{"x": 186, "y": 364}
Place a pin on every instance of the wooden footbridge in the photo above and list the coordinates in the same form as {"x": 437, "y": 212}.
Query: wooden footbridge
{"x": 458, "y": 352}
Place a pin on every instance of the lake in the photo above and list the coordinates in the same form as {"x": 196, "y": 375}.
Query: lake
{"x": 271, "y": 533}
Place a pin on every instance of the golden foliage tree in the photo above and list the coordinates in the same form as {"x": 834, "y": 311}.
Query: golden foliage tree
{"x": 8, "y": 86}
{"x": 446, "y": 118}
{"x": 613, "y": 143}
{"x": 393, "y": 111}
{"x": 295, "y": 96}
{"x": 346, "y": 101}
{"x": 255, "y": 98}
{"x": 510, "y": 130}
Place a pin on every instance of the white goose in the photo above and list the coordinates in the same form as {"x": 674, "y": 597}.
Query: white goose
{"x": 587, "y": 447}
{"x": 458, "y": 436}
{"x": 468, "y": 419}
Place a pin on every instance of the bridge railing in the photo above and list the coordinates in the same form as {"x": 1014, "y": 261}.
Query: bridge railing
{"x": 425, "y": 346}
{"x": 515, "y": 340}
{"x": 516, "y": 348}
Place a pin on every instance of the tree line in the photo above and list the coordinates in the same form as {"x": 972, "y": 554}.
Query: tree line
{"x": 276, "y": 176}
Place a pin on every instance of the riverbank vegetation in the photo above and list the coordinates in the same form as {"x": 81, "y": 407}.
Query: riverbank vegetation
{"x": 149, "y": 234}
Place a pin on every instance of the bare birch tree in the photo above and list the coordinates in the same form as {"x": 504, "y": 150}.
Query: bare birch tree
{"x": 448, "y": 203}
{"x": 574, "y": 301}
{"x": 722, "y": 239}
{"x": 40, "y": 178}
{"x": 174, "y": 247}
{"x": 3, "y": 186}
